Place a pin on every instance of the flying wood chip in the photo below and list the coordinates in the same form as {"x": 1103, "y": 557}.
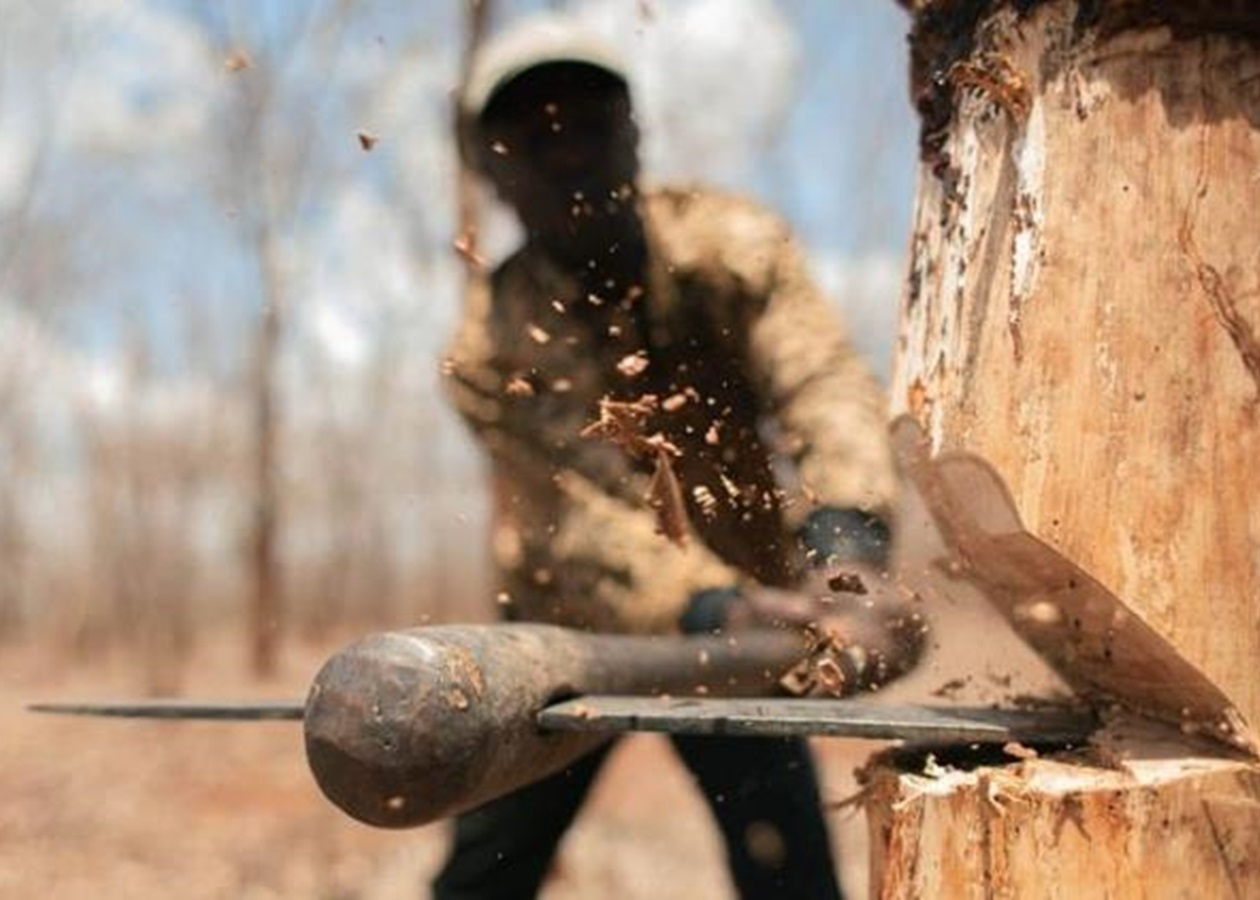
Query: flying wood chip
{"x": 847, "y": 583}
{"x": 623, "y": 422}
{"x": 633, "y": 365}
{"x": 465, "y": 246}
{"x": 237, "y": 61}
{"x": 665, "y": 497}
{"x": 367, "y": 140}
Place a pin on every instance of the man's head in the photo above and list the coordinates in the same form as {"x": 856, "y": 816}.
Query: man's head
{"x": 551, "y": 127}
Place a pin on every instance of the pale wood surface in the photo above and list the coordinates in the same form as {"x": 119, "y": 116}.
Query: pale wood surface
{"x": 1082, "y": 313}
{"x": 1080, "y": 329}
{"x": 1161, "y": 824}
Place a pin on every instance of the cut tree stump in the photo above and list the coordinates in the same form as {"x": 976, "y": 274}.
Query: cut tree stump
{"x": 1082, "y": 317}
{"x": 1153, "y": 822}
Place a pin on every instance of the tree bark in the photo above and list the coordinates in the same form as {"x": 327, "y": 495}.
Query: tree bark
{"x": 1082, "y": 313}
{"x": 267, "y": 601}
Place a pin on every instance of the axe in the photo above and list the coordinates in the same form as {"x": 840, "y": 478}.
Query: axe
{"x": 407, "y": 727}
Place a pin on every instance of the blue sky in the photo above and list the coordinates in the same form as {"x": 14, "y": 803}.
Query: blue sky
{"x": 152, "y": 234}
{"x": 851, "y": 143}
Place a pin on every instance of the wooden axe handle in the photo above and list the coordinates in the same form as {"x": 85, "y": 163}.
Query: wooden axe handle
{"x": 407, "y": 727}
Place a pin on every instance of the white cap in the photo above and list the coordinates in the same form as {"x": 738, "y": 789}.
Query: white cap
{"x": 535, "y": 40}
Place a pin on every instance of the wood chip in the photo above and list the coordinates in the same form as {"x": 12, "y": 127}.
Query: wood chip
{"x": 367, "y": 140}
{"x": 847, "y": 583}
{"x": 237, "y": 61}
{"x": 674, "y": 402}
{"x": 1019, "y": 751}
{"x": 933, "y": 769}
{"x": 633, "y": 365}
{"x": 624, "y": 422}
{"x": 465, "y": 246}
{"x": 665, "y": 497}
{"x": 519, "y": 386}
{"x": 705, "y": 500}
{"x": 584, "y": 712}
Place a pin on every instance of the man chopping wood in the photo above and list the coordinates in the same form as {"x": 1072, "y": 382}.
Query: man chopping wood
{"x": 680, "y": 438}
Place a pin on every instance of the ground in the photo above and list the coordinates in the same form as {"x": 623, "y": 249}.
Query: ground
{"x": 108, "y": 809}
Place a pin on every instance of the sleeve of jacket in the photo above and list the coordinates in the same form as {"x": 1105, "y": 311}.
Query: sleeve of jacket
{"x": 606, "y": 549}
{"x": 830, "y": 408}
{"x": 472, "y": 383}
{"x": 607, "y": 566}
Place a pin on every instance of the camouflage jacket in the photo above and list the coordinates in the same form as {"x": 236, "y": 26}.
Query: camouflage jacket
{"x": 755, "y": 386}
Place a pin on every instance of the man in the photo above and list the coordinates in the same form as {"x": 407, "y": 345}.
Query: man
{"x": 680, "y": 439}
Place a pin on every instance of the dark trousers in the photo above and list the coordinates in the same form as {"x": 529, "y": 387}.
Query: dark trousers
{"x": 763, "y": 792}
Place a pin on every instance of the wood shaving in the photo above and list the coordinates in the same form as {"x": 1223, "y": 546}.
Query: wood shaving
{"x": 237, "y": 61}
{"x": 847, "y": 583}
{"x": 933, "y": 769}
{"x": 674, "y": 402}
{"x": 665, "y": 497}
{"x": 623, "y": 422}
{"x": 705, "y": 500}
{"x": 519, "y": 386}
{"x": 633, "y": 365}
{"x": 1019, "y": 751}
{"x": 465, "y": 247}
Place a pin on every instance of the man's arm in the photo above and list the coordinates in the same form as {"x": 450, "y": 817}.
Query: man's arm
{"x": 831, "y": 417}
{"x": 608, "y": 565}
{"x": 610, "y": 551}
{"x": 830, "y": 409}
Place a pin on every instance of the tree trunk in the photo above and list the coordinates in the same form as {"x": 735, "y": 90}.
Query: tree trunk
{"x": 1082, "y": 315}
{"x": 1147, "y": 820}
{"x": 267, "y": 601}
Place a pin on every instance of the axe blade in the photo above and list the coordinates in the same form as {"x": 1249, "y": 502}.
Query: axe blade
{"x": 766, "y": 717}
{"x": 193, "y": 710}
{"x": 791, "y": 717}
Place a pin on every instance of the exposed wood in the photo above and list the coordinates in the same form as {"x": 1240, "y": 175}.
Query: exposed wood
{"x": 1081, "y": 329}
{"x": 1160, "y": 825}
{"x": 1083, "y": 307}
{"x": 1105, "y": 653}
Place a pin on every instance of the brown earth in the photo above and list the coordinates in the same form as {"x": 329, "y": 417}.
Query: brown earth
{"x": 104, "y": 809}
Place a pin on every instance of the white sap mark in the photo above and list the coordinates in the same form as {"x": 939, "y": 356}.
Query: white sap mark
{"x": 1026, "y": 249}
{"x": 1105, "y": 362}
{"x": 961, "y": 232}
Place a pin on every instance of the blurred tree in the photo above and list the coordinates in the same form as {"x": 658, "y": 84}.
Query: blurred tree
{"x": 269, "y": 155}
